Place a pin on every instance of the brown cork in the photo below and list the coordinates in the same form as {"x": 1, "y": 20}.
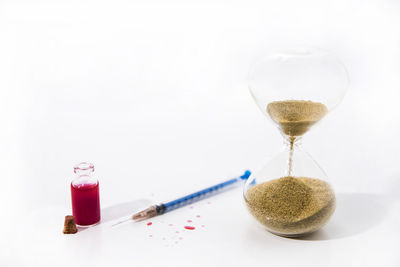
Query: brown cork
{"x": 69, "y": 225}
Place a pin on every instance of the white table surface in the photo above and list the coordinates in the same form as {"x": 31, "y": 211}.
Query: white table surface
{"x": 155, "y": 95}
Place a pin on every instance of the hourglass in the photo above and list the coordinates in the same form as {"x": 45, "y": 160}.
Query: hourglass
{"x": 290, "y": 195}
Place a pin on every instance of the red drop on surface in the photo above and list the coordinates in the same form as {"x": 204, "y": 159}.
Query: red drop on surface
{"x": 149, "y": 223}
{"x": 189, "y": 221}
{"x": 190, "y": 227}
{"x": 198, "y": 216}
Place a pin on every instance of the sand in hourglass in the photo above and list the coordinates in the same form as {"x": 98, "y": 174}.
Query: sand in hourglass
{"x": 295, "y": 117}
{"x": 293, "y": 206}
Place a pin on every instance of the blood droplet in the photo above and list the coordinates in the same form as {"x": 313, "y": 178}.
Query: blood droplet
{"x": 149, "y": 223}
{"x": 198, "y": 216}
{"x": 190, "y": 227}
{"x": 150, "y": 235}
{"x": 189, "y": 221}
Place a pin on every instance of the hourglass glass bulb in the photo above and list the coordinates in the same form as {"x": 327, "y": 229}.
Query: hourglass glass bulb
{"x": 297, "y": 88}
{"x": 290, "y": 194}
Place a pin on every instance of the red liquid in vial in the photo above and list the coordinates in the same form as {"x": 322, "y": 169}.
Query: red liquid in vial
{"x": 85, "y": 203}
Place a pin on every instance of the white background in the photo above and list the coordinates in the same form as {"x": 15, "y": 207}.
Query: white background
{"x": 154, "y": 93}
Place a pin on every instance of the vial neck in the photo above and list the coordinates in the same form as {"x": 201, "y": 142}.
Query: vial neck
{"x": 84, "y": 168}
{"x": 84, "y": 179}
{"x": 80, "y": 173}
{"x": 83, "y": 173}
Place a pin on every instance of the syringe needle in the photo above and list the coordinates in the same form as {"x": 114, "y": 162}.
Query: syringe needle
{"x": 120, "y": 222}
{"x": 144, "y": 214}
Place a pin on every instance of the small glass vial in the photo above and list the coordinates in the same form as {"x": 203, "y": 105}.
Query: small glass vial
{"x": 85, "y": 195}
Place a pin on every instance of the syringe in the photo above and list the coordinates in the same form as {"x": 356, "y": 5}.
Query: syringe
{"x": 162, "y": 208}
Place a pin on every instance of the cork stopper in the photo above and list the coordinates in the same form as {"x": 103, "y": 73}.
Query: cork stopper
{"x": 69, "y": 225}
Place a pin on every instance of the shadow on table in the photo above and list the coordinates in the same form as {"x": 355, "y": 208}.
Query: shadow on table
{"x": 119, "y": 211}
{"x": 355, "y": 213}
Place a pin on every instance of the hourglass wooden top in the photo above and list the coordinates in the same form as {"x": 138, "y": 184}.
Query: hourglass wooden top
{"x": 295, "y": 117}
